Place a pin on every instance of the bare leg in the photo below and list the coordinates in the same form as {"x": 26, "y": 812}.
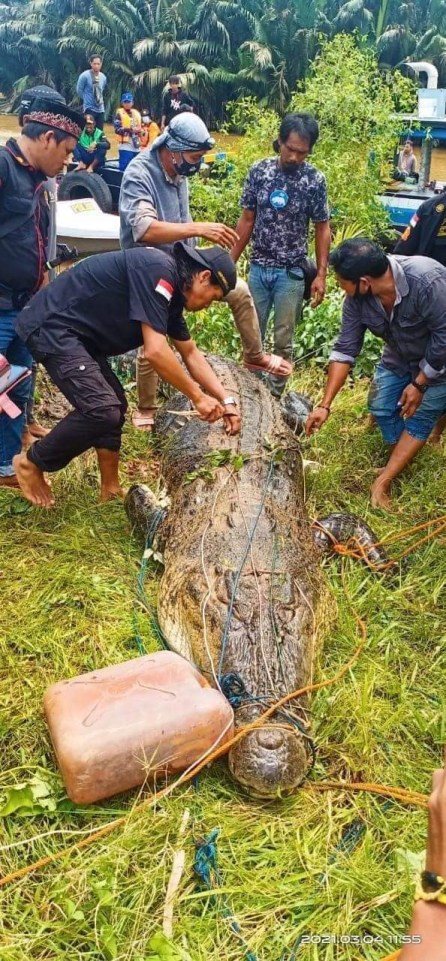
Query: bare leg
{"x": 32, "y": 482}
{"x": 146, "y": 384}
{"x": 108, "y": 461}
{"x": 438, "y": 430}
{"x": 402, "y": 455}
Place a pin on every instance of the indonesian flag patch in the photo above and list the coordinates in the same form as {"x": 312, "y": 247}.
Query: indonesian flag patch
{"x": 414, "y": 220}
{"x": 164, "y": 288}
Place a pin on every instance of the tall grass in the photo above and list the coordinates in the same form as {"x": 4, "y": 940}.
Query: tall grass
{"x": 338, "y": 863}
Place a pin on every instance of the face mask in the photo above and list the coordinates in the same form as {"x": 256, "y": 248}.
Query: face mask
{"x": 186, "y": 169}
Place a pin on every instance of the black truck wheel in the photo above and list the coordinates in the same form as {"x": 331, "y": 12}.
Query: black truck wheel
{"x": 79, "y": 184}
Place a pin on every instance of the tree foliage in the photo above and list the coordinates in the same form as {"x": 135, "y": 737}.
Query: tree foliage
{"x": 224, "y": 49}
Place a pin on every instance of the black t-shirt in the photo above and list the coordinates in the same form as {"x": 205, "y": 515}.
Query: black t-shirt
{"x": 172, "y": 103}
{"x": 103, "y": 301}
{"x": 439, "y": 251}
{"x": 24, "y": 221}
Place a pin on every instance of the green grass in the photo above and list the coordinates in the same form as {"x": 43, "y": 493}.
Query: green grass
{"x": 334, "y": 863}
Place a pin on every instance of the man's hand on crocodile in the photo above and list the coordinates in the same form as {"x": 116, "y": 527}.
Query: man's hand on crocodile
{"x": 232, "y": 419}
{"x": 209, "y": 408}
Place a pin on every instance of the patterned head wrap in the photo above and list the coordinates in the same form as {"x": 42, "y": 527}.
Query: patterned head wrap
{"x": 56, "y": 115}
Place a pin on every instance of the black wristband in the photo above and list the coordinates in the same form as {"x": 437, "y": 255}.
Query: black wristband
{"x": 323, "y": 407}
{"x": 421, "y": 387}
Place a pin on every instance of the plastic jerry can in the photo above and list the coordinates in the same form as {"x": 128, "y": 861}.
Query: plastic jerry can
{"x": 149, "y": 717}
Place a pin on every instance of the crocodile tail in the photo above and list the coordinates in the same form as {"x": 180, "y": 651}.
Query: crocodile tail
{"x": 349, "y": 530}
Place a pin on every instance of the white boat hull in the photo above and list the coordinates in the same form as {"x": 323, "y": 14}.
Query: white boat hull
{"x": 82, "y": 224}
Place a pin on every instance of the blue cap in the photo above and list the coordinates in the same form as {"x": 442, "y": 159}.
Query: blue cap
{"x": 127, "y": 98}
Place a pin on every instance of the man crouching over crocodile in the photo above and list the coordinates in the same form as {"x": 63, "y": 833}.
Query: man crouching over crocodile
{"x": 401, "y": 300}
{"x": 107, "y": 305}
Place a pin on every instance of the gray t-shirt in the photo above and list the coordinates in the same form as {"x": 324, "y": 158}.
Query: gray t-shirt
{"x": 415, "y": 334}
{"x": 147, "y": 194}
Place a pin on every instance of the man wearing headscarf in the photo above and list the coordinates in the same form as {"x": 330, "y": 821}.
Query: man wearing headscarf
{"x": 49, "y": 135}
{"x": 154, "y": 210}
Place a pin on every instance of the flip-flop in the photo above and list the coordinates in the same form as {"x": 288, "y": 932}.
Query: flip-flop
{"x": 272, "y": 367}
{"x": 143, "y": 421}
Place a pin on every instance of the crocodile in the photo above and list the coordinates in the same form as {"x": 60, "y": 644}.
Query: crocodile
{"x": 241, "y": 582}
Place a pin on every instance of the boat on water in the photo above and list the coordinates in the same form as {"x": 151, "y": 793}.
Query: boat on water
{"x": 82, "y": 224}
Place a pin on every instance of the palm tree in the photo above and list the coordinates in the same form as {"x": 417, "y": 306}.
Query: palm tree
{"x": 223, "y": 49}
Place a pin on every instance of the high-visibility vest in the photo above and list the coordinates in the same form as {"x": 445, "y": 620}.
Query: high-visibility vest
{"x": 150, "y": 131}
{"x": 127, "y": 120}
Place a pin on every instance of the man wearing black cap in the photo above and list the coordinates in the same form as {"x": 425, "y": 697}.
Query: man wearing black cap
{"x": 48, "y": 137}
{"x": 106, "y": 305}
{"x": 154, "y": 210}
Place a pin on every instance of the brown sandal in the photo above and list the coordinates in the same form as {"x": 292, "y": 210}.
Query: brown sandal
{"x": 272, "y": 366}
{"x": 143, "y": 421}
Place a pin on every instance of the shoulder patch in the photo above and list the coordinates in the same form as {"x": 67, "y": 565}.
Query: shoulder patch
{"x": 414, "y": 220}
{"x": 406, "y": 234}
{"x": 165, "y": 288}
{"x": 439, "y": 209}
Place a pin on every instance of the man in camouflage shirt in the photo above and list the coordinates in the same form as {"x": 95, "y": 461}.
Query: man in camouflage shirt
{"x": 280, "y": 197}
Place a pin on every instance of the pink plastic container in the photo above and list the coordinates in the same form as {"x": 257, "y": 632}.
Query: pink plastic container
{"x": 151, "y": 716}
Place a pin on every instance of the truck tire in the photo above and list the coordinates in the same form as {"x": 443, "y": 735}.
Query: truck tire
{"x": 79, "y": 184}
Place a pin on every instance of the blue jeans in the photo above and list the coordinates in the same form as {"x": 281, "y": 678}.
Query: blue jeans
{"x": 281, "y": 290}
{"x": 126, "y": 154}
{"x": 11, "y": 430}
{"x": 384, "y": 395}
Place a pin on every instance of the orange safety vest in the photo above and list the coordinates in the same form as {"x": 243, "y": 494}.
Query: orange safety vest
{"x": 127, "y": 120}
{"x": 149, "y": 133}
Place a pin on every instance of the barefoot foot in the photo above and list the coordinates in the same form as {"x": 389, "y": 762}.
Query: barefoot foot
{"x": 435, "y": 438}
{"x": 379, "y": 494}
{"x": 32, "y": 482}
{"x": 37, "y": 430}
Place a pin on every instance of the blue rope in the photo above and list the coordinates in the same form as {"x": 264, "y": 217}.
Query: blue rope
{"x": 232, "y": 684}
{"x": 349, "y": 841}
{"x": 141, "y": 595}
{"x": 294, "y": 950}
{"x": 235, "y": 691}
{"x": 238, "y": 575}
{"x": 207, "y": 870}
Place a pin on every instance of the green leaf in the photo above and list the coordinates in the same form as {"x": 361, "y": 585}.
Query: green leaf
{"x": 164, "y": 950}
{"x": 410, "y": 862}
{"x": 29, "y": 799}
{"x": 108, "y": 942}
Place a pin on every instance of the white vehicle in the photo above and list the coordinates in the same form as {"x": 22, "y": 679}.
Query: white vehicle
{"x": 82, "y": 224}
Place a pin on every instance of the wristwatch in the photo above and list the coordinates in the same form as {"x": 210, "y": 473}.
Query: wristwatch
{"x": 421, "y": 387}
{"x": 431, "y": 887}
{"x": 229, "y": 402}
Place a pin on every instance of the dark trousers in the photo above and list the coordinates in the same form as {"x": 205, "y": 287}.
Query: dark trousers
{"x": 99, "y": 118}
{"x": 99, "y": 404}
{"x": 97, "y": 158}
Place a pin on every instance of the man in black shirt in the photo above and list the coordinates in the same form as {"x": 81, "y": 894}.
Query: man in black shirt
{"x": 173, "y": 100}
{"x": 48, "y": 136}
{"x": 106, "y": 305}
